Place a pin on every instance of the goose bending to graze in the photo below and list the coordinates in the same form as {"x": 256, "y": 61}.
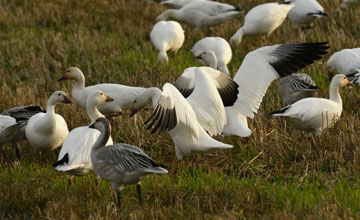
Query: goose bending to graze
{"x": 214, "y": 52}
{"x": 305, "y": 11}
{"x": 201, "y": 14}
{"x": 295, "y": 87}
{"x": 262, "y": 19}
{"x": 316, "y": 114}
{"x": 47, "y": 131}
{"x": 182, "y": 117}
{"x": 120, "y": 163}
{"x": 123, "y": 95}
{"x": 176, "y": 4}
{"x": 344, "y": 61}
{"x": 74, "y": 157}
{"x": 167, "y": 35}
{"x": 13, "y": 123}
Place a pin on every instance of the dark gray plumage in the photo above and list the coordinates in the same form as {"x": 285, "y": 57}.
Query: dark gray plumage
{"x": 295, "y": 87}
{"x": 120, "y": 163}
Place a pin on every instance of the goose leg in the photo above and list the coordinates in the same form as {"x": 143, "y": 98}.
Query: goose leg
{"x": 16, "y": 146}
{"x": 97, "y": 178}
{"x": 69, "y": 180}
{"x": 118, "y": 195}
{"x": 138, "y": 189}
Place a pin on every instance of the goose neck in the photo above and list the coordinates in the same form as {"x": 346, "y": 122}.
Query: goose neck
{"x": 102, "y": 139}
{"x": 154, "y": 93}
{"x": 93, "y": 112}
{"x": 334, "y": 93}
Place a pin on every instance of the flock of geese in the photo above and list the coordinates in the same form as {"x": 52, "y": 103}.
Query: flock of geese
{"x": 202, "y": 103}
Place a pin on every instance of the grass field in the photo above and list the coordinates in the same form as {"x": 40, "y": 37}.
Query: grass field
{"x": 273, "y": 174}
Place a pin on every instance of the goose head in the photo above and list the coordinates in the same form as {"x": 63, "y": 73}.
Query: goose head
{"x": 140, "y": 101}
{"x": 101, "y": 124}
{"x": 208, "y": 57}
{"x": 97, "y": 97}
{"x": 73, "y": 73}
{"x": 59, "y": 97}
{"x": 340, "y": 80}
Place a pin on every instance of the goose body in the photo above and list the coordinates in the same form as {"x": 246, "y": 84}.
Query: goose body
{"x": 47, "y": 131}
{"x": 305, "y": 11}
{"x": 176, "y": 4}
{"x": 123, "y": 95}
{"x": 316, "y": 114}
{"x": 167, "y": 35}
{"x": 262, "y": 19}
{"x": 344, "y": 61}
{"x": 186, "y": 119}
{"x": 221, "y": 49}
{"x": 120, "y": 163}
{"x": 74, "y": 157}
{"x": 201, "y": 14}
{"x": 295, "y": 87}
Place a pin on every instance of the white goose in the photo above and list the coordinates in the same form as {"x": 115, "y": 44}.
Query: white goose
{"x": 13, "y": 123}
{"x": 344, "y": 61}
{"x": 201, "y": 14}
{"x": 346, "y": 3}
{"x": 123, "y": 95}
{"x": 259, "y": 68}
{"x": 295, "y": 87}
{"x": 219, "y": 47}
{"x": 262, "y": 19}
{"x": 74, "y": 156}
{"x": 305, "y": 11}
{"x": 121, "y": 163}
{"x": 176, "y": 4}
{"x": 47, "y": 131}
{"x": 316, "y": 114}
{"x": 167, "y": 35}
{"x": 182, "y": 117}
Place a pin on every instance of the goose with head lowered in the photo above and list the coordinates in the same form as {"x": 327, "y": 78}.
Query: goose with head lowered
{"x": 13, "y": 123}
{"x": 188, "y": 120}
{"x": 167, "y": 35}
{"x": 176, "y": 4}
{"x": 47, "y": 131}
{"x": 316, "y": 114}
{"x": 262, "y": 19}
{"x": 343, "y": 61}
{"x": 74, "y": 157}
{"x": 214, "y": 52}
{"x": 120, "y": 163}
{"x": 123, "y": 95}
{"x": 258, "y": 69}
{"x": 201, "y": 14}
{"x": 305, "y": 11}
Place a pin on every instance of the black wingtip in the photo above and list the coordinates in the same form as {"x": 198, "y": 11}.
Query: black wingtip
{"x": 280, "y": 111}
{"x": 65, "y": 159}
{"x": 314, "y": 87}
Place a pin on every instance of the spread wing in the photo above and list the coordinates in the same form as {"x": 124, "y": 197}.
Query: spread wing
{"x": 262, "y": 66}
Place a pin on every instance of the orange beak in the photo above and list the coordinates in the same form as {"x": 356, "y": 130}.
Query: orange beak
{"x": 67, "y": 100}
{"x": 109, "y": 99}
{"x": 63, "y": 77}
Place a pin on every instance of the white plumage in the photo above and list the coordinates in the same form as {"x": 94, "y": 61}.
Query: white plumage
{"x": 167, "y": 35}
{"x": 305, "y": 11}
{"x": 295, "y": 87}
{"x": 201, "y": 13}
{"x": 344, "y": 61}
{"x": 74, "y": 157}
{"x": 316, "y": 114}
{"x": 219, "y": 47}
{"x": 182, "y": 117}
{"x": 262, "y": 19}
{"x": 176, "y": 4}
{"x": 123, "y": 95}
{"x": 47, "y": 131}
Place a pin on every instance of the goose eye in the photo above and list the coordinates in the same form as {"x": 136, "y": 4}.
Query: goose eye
{"x": 68, "y": 71}
{"x": 135, "y": 101}
{"x": 101, "y": 93}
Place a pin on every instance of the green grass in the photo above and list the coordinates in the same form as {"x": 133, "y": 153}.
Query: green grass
{"x": 273, "y": 174}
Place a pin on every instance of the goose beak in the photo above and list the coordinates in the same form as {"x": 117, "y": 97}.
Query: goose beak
{"x": 133, "y": 111}
{"x": 63, "y": 77}
{"x": 109, "y": 99}
{"x": 67, "y": 100}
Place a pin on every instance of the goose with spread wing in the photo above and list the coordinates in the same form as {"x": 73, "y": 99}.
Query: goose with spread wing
{"x": 187, "y": 120}
{"x": 120, "y": 163}
{"x": 201, "y": 14}
{"x": 74, "y": 157}
{"x": 123, "y": 95}
{"x": 13, "y": 123}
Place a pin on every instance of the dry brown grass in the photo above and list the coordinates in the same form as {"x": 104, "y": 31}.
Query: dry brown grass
{"x": 273, "y": 174}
